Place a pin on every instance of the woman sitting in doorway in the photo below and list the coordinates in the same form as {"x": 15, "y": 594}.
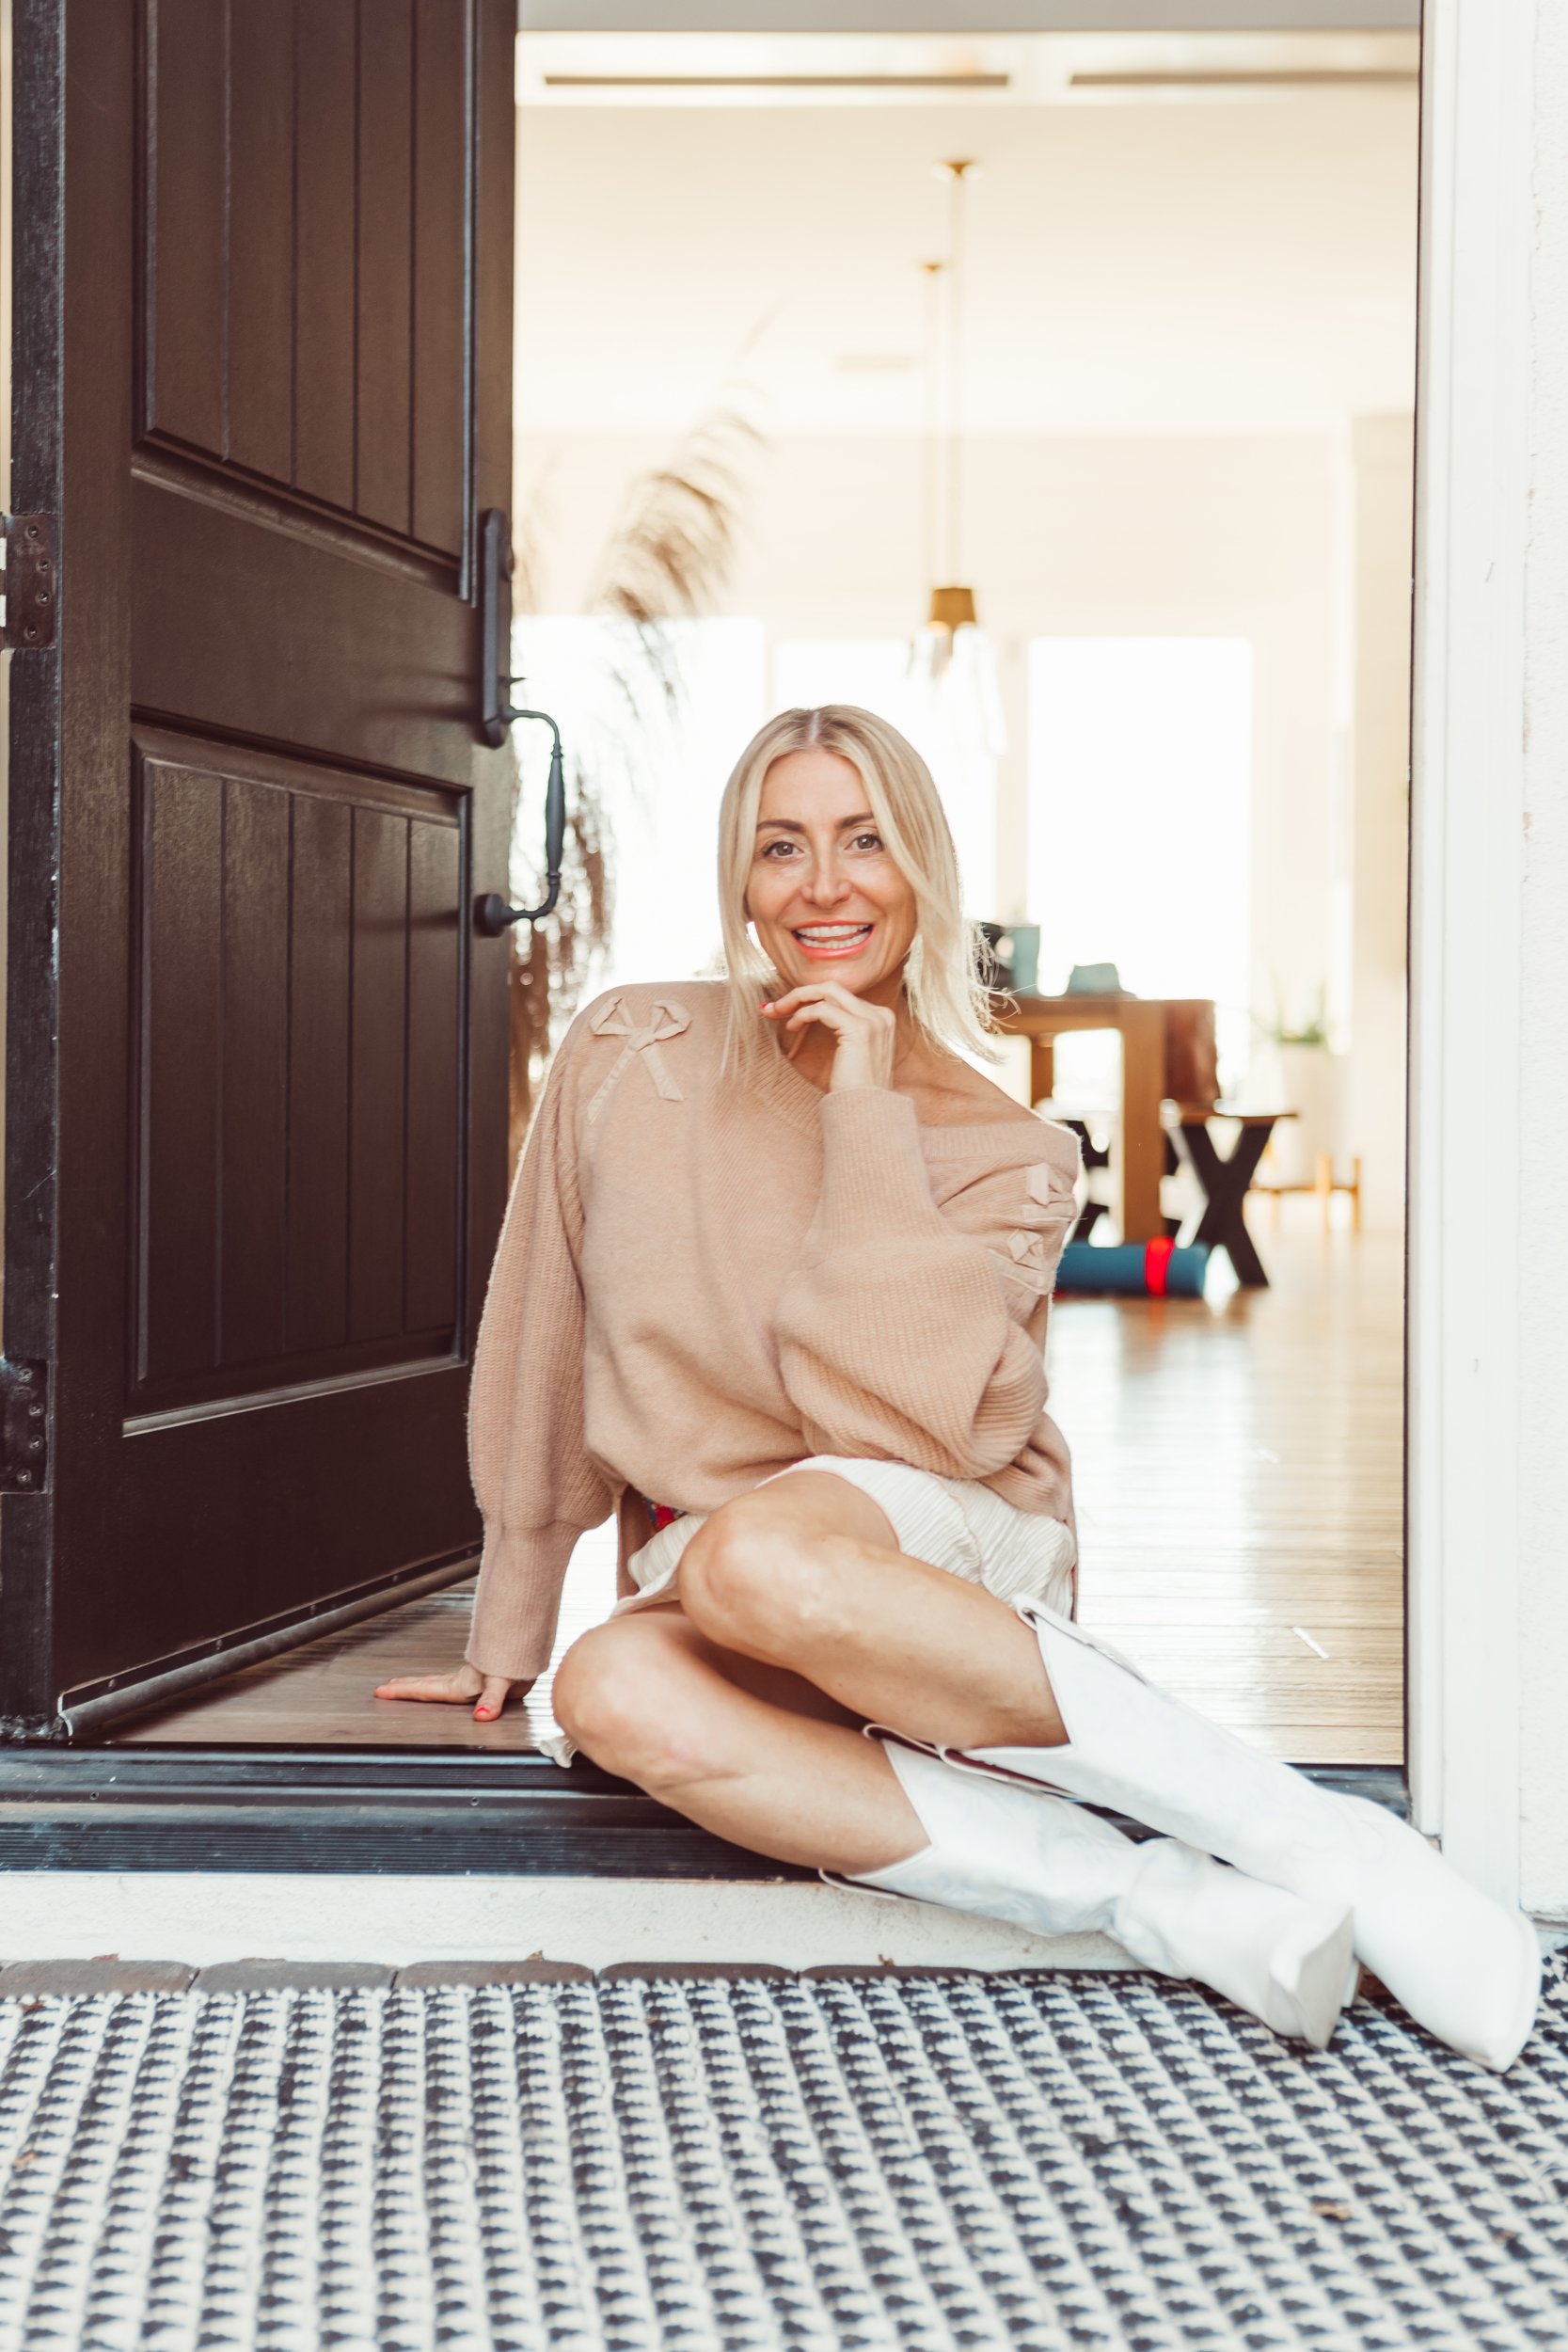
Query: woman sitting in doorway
{"x": 774, "y": 1283}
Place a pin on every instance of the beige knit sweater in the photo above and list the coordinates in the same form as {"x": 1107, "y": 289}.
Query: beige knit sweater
{"x": 701, "y": 1281}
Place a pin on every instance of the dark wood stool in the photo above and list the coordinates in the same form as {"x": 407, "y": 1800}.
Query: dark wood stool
{"x": 1224, "y": 1181}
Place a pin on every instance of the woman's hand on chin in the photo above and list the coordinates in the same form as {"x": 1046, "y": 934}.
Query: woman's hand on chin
{"x": 456, "y": 1688}
{"x": 865, "y": 1034}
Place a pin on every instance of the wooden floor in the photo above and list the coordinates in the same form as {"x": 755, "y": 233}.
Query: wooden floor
{"x": 1240, "y": 1480}
{"x": 1239, "y": 1473}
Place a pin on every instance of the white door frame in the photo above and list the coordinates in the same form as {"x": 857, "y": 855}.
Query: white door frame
{"x": 1473, "y": 482}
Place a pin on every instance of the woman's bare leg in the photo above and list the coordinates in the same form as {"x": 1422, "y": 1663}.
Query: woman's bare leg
{"x": 799, "y": 1619}
{"x": 743, "y": 1748}
{"x": 804, "y": 1573}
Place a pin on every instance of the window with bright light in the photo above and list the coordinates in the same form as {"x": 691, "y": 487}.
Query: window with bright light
{"x": 1140, "y": 789}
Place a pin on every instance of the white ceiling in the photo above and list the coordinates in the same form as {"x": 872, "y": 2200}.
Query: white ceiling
{"x": 1145, "y": 257}
{"x": 895, "y": 16}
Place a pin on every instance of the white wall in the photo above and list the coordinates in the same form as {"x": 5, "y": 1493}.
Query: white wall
{"x": 1205, "y": 269}
{"x": 1135, "y": 535}
{"x": 1175, "y": 317}
{"x": 1374, "y": 806}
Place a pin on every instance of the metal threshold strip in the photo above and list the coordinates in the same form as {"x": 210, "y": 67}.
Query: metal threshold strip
{"x": 430, "y": 1812}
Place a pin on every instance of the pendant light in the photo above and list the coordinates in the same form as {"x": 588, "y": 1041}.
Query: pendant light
{"x": 953, "y": 605}
{"x": 930, "y": 421}
{"x": 954, "y": 701}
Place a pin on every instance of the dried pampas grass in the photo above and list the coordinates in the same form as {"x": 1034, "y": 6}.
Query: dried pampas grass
{"x": 673, "y": 552}
{"x": 669, "y": 558}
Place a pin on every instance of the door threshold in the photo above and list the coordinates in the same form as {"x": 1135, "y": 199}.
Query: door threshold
{"x": 376, "y": 1924}
{"x": 429, "y": 1812}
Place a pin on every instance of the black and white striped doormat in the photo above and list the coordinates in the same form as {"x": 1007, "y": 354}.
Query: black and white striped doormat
{"x": 1057, "y": 2162}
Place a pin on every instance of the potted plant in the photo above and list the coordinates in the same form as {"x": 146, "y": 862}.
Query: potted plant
{"x": 1296, "y": 1069}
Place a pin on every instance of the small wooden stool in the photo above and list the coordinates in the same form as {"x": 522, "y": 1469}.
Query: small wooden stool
{"x": 1324, "y": 1186}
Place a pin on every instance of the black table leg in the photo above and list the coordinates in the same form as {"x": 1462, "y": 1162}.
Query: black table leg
{"x": 1225, "y": 1183}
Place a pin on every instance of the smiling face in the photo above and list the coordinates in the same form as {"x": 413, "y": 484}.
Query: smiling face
{"x": 824, "y": 896}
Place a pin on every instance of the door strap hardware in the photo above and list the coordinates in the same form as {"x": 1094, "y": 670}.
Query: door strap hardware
{"x": 492, "y": 914}
{"x": 32, "y": 583}
{"x": 496, "y": 713}
{"x": 23, "y": 1427}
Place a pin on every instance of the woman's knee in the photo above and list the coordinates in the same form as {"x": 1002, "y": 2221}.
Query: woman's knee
{"x": 750, "y": 1583}
{"x": 605, "y": 1690}
{"x": 615, "y": 1694}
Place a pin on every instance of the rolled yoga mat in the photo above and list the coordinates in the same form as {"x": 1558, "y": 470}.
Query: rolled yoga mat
{"x": 1133, "y": 1269}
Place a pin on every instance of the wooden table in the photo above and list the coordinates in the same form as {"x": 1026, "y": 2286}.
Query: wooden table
{"x": 1157, "y": 1033}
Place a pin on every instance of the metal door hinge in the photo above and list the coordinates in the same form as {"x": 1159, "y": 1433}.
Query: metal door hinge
{"x": 32, "y": 583}
{"x": 23, "y": 1426}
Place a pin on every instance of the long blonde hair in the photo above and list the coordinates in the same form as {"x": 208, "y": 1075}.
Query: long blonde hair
{"x": 946, "y": 996}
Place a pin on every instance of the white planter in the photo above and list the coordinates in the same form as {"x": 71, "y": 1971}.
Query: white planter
{"x": 1308, "y": 1080}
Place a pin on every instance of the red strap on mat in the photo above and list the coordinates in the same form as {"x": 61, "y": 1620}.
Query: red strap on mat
{"x": 1157, "y": 1256}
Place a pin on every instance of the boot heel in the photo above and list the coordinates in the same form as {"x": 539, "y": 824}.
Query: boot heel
{"x": 1318, "y": 1969}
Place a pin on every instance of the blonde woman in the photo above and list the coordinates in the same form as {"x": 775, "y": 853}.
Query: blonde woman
{"x": 773, "y": 1286}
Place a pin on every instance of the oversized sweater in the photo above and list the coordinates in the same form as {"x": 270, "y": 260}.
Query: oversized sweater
{"x": 701, "y": 1281}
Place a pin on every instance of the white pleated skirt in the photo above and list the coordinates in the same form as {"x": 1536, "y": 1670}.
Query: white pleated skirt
{"x": 955, "y": 1523}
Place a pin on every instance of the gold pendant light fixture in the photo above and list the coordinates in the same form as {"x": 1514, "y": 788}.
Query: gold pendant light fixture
{"x": 952, "y": 607}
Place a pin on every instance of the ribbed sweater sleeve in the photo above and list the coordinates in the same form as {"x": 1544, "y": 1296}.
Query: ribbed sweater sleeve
{"x": 904, "y": 1338}
{"x": 538, "y": 1488}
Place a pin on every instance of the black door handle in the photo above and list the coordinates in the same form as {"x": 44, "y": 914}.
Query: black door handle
{"x": 497, "y": 713}
{"x": 492, "y": 912}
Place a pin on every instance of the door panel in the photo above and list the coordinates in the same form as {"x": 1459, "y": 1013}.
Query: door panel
{"x": 433, "y": 1077}
{"x": 258, "y": 290}
{"x": 185, "y": 255}
{"x": 440, "y": 393}
{"x": 384, "y": 279}
{"x": 324, "y": 299}
{"x": 378, "y": 971}
{"x": 283, "y": 907}
{"x": 304, "y": 264}
{"x": 315, "y": 1283}
{"x": 256, "y": 1053}
{"x": 251, "y": 1072}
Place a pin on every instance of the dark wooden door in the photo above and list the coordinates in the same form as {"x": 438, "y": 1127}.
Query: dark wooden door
{"x": 256, "y": 1052}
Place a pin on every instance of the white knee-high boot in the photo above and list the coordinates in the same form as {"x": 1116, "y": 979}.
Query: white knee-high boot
{"x": 1462, "y": 1966}
{"x": 1014, "y": 1854}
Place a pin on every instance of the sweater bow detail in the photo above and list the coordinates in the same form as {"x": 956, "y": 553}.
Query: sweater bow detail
{"x": 1046, "y": 1218}
{"x": 666, "y": 1019}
